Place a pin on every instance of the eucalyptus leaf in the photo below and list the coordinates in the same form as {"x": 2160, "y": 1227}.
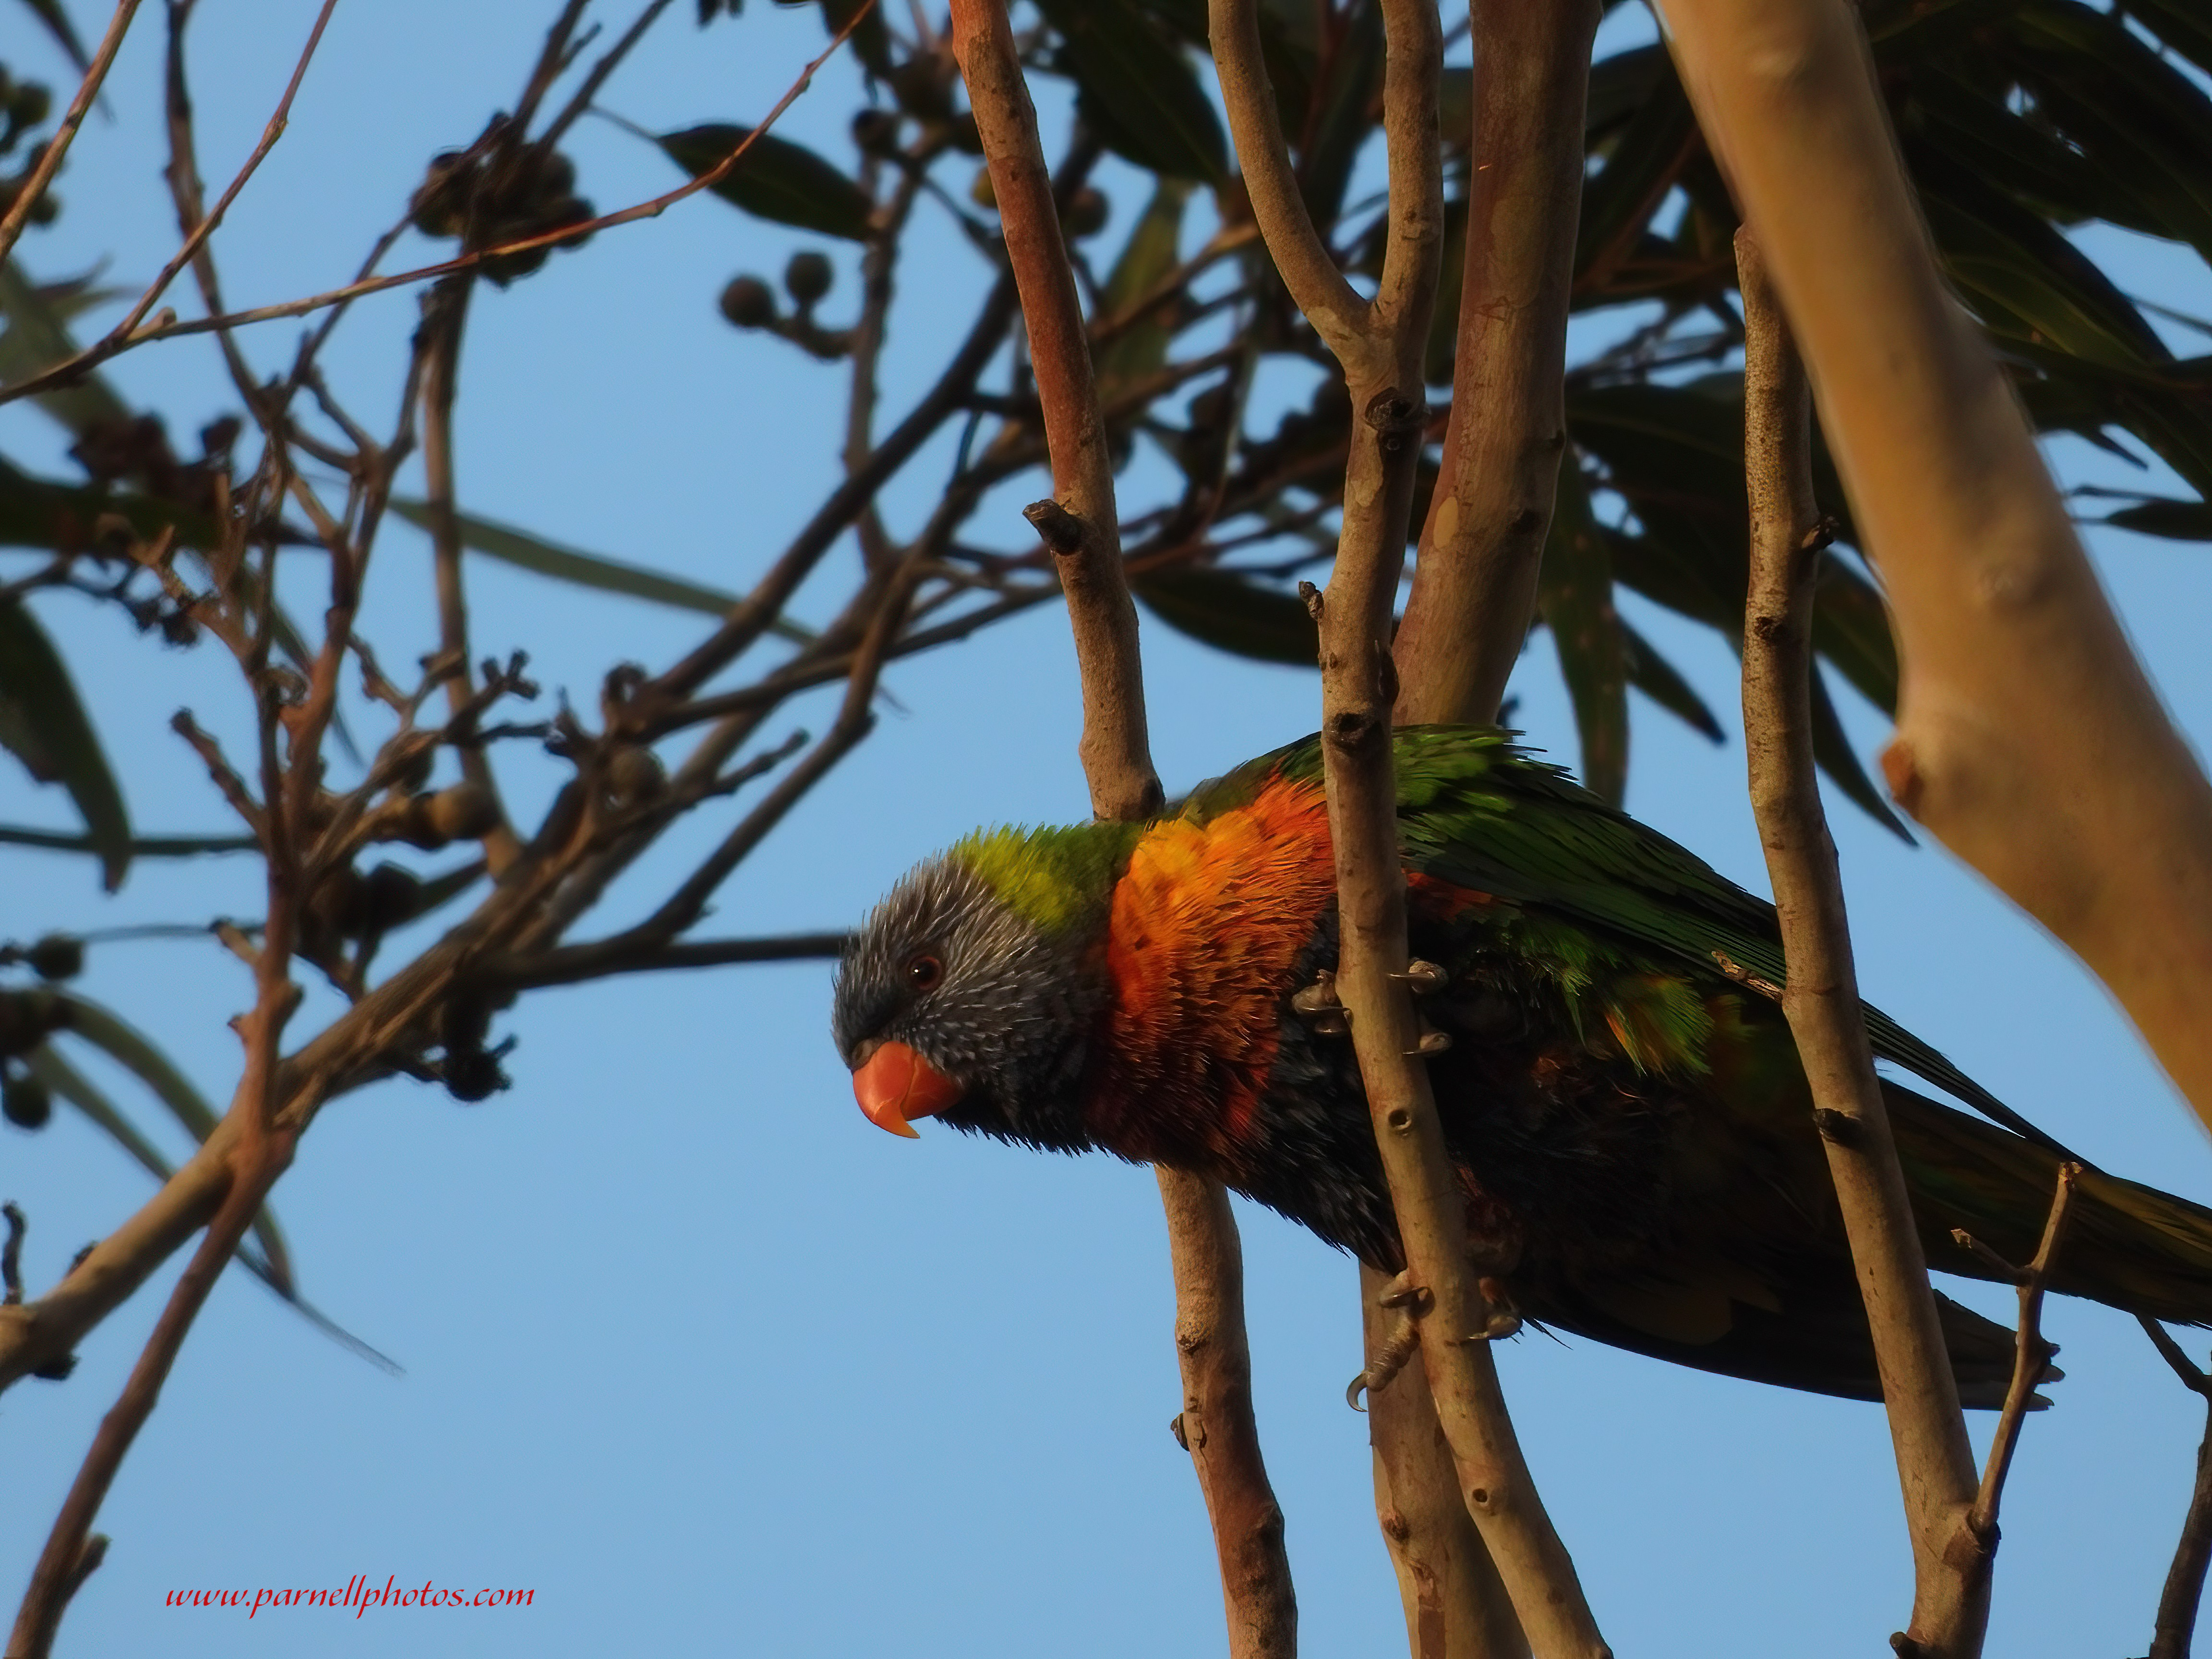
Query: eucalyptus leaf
{"x": 525, "y": 551}
{"x": 1661, "y": 681}
{"x": 115, "y": 1037}
{"x": 1137, "y": 88}
{"x": 44, "y": 724}
{"x": 1232, "y": 613}
{"x": 777, "y": 179}
{"x": 1574, "y": 596}
{"x": 273, "y": 1265}
{"x": 36, "y": 338}
{"x": 50, "y": 13}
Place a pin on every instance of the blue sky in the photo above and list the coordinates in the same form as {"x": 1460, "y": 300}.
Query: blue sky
{"x": 692, "y": 1350}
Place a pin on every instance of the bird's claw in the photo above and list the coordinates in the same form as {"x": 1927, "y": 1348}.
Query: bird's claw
{"x": 1422, "y": 978}
{"x": 1318, "y": 1005}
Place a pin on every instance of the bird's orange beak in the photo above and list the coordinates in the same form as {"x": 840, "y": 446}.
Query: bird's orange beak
{"x": 897, "y": 1085}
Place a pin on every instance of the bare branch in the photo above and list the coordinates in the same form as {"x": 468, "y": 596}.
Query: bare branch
{"x": 143, "y": 846}
{"x": 1935, "y": 1460}
{"x": 11, "y": 1255}
{"x": 2031, "y": 1358}
{"x": 120, "y": 340}
{"x": 580, "y": 100}
{"x": 1081, "y": 528}
{"x": 1216, "y": 1426}
{"x": 2178, "y": 1602}
{"x": 259, "y": 1155}
{"x": 1381, "y": 348}
{"x": 2030, "y": 741}
{"x": 444, "y": 316}
{"x": 1474, "y": 584}
{"x": 1115, "y": 747}
{"x": 1308, "y": 268}
{"x": 270, "y": 133}
{"x": 1455, "y": 1605}
{"x": 50, "y": 158}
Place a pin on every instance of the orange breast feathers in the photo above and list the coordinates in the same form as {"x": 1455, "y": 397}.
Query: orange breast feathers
{"x": 1207, "y": 924}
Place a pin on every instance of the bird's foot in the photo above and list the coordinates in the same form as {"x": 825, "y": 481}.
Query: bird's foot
{"x": 1423, "y": 978}
{"x": 1407, "y": 1300}
{"x": 1504, "y": 1318}
{"x": 1318, "y": 1005}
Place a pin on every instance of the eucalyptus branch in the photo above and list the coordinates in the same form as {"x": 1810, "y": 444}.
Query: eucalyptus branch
{"x": 1935, "y": 1461}
{"x": 50, "y": 158}
{"x": 1474, "y": 585}
{"x": 1080, "y": 527}
{"x": 1380, "y": 346}
{"x": 2183, "y": 1589}
{"x": 2030, "y": 740}
{"x": 120, "y": 340}
{"x": 445, "y": 319}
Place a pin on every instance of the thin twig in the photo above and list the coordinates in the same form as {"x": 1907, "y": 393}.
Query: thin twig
{"x": 92, "y": 356}
{"x": 1115, "y": 747}
{"x": 1380, "y": 346}
{"x": 1080, "y": 527}
{"x": 270, "y": 134}
{"x": 1935, "y": 1460}
{"x": 50, "y": 158}
{"x": 2030, "y": 1355}
{"x": 2183, "y": 1590}
{"x": 580, "y": 100}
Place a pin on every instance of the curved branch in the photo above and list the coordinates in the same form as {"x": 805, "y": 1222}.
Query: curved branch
{"x": 2029, "y": 740}
{"x": 1308, "y": 268}
{"x": 1935, "y": 1460}
{"x": 1474, "y": 584}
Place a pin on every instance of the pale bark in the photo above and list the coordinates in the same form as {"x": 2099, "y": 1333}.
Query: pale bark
{"x": 1456, "y": 1606}
{"x": 1115, "y": 747}
{"x": 1079, "y": 525}
{"x": 1474, "y": 584}
{"x": 2029, "y": 740}
{"x": 1935, "y": 1460}
{"x": 1379, "y": 345}
{"x": 1474, "y": 592}
{"x": 1216, "y": 1425}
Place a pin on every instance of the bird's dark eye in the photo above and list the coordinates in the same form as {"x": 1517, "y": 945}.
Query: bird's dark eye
{"x": 923, "y": 972}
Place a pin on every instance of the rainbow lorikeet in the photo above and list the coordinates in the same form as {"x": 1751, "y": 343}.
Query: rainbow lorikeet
{"x": 1631, "y": 1126}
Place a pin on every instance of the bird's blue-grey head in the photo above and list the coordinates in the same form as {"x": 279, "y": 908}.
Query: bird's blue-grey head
{"x": 970, "y": 991}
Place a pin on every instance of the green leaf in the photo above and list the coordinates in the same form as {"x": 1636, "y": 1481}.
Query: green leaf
{"x": 1661, "y": 681}
{"x": 1639, "y": 170}
{"x": 36, "y": 338}
{"x": 1147, "y": 258}
{"x": 1831, "y": 748}
{"x": 50, "y": 13}
{"x": 1232, "y": 613}
{"x": 1574, "y": 596}
{"x": 2145, "y": 126}
{"x": 274, "y": 1266}
{"x": 65, "y": 518}
{"x": 108, "y": 1031}
{"x": 2161, "y": 515}
{"x": 1344, "y": 121}
{"x": 533, "y": 553}
{"x": 777, "y": 179}
{"x": 2023, "y": 277}
{"x": 44, "y": 724}
{"x": 872, "y": 41}
{"x": 1136, "y": 89}
{"x": 1620, "y": 86}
